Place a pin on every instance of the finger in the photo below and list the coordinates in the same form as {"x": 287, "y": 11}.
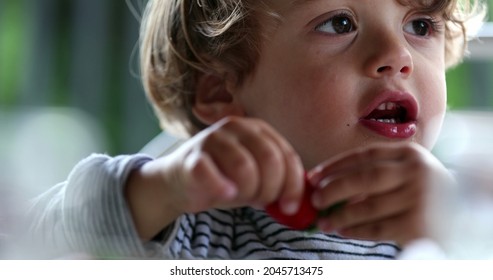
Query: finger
{"x": 206, "y": 184}
{"x": 234, "y": 161}
{"x": 372, "y": 209}
{"x": 270, "y": 164}
{"x": 396, "y": 228}
{"x": 292, "y": 184}
{"x": 359, "y": 157}
{"x": 369, "y": 180}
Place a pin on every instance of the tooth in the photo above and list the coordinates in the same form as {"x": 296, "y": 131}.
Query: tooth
{"x": 391, "y": 105}
{"x": 382, "y": 107}
{"x": 391, "y": 121}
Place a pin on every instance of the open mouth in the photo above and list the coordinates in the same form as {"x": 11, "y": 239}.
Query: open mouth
{"x": 392, "y": 117}
{"x": 389, "y": 112}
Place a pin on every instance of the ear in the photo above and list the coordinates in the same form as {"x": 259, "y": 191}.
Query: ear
{"x": 213, "y": 100}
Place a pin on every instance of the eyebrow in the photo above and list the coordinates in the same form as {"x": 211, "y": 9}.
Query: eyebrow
{"x": 301, "y": 2}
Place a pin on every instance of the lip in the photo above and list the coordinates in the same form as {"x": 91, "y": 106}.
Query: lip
{"x": 404, "y": 130}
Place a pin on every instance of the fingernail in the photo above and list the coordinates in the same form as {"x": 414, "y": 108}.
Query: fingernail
{"x": 289, "y": 207}
{"x": 325, "y": 182}
{"x": 230, "y": 191}
{"x": 311, "y": 179}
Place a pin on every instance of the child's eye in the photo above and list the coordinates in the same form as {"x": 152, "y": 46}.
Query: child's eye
{"x": 338, "y": 24}
{"x": 421, "y": 27}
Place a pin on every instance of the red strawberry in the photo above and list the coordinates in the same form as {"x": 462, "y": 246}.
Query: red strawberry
{"x": 306, "y": 216}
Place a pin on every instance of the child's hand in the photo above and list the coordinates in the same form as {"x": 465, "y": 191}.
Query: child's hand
{"x": 385, "y": 187}
{"x": 235, "y": 162}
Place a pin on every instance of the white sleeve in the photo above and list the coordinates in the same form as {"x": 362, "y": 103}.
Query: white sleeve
{"x": 88, "y": 214}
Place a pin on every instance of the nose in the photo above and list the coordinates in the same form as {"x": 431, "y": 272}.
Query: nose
{"x": 389, "y": 56}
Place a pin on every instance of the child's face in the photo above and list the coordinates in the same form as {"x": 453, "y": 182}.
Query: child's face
{"x": 320, "y": 82}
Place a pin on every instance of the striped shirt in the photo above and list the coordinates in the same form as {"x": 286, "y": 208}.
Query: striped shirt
{"x": 88, "y": 214}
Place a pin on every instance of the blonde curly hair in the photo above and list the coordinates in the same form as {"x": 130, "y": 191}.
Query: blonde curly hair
{"x": 183, "y": 38}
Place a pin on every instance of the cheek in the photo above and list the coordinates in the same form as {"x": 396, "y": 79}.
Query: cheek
{"x": 315, "y": 122}
{"x": 312, "y": 99}
{"x": 285, "y": 92}
{"x": 434, "y": 107}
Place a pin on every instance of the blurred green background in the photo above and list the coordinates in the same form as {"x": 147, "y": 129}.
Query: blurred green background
{"x": 79, "y": 54}
{"x": 82, "y": 54}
